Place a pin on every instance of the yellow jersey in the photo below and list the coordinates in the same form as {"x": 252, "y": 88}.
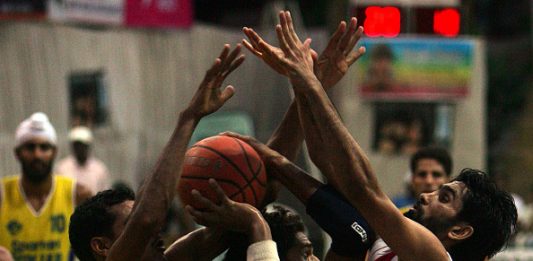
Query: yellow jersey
{"x": 36, "y": 235}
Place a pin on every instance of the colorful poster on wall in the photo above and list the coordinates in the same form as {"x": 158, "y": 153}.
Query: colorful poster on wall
{"x": 415, "y": 69}
{"x": 92, "y": 11}
{"x": 22, "y": 9}
{"x": 159, "y": 13}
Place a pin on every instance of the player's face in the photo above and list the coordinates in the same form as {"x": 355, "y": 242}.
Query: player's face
{"x": 302, "y": 250}
{"x": 36, "y": 157}
{"x": 155, "y": 248}
{"x": 438, "y": 210}
{"x": 428, "y": 176}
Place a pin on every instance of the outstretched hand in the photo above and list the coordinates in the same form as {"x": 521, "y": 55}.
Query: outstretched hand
{"x": 298, "y": 56}
{"x": 329, "y": 67}
{"x": 227, "y": 214}
{"x": 293, "y": 58}
{"x": 263, "y": 50}
{"x": 209, "y": 97}
{"x": 337, "y": 57}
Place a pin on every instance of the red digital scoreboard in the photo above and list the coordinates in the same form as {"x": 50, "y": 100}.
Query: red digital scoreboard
{"x": 390, "y": 21}
{"x": 382, "y": 21}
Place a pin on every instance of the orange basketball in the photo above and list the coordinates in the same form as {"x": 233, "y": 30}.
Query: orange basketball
{"x": 234, "y": 164}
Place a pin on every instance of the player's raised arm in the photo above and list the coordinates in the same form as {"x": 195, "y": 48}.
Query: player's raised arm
{"x": 330, "y": 67}
{"x": 328, "y": 208}
{"x": 157, "y": 193}
{"x": 239, "y": 217}
{"x": 335, "y": 152}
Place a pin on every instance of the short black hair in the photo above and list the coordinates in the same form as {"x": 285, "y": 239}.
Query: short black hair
{"x": 92, "y": 218}
{"x": 284, "y": 225}
{"x": 441, "y": 155}
{"x": 490, "y": 211}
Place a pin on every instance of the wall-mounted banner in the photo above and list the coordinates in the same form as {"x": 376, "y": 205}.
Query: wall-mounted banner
{"x": 92, "y": 11}
{"x": 159, "y": 13}
{"x": 415, "y": 69}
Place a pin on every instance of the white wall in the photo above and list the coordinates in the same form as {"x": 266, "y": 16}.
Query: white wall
{"x": 468, "y": 144}
{"x": 151, "y": 75}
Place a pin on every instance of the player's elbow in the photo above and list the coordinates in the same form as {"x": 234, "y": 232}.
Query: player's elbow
{"x": 149, "y": 218}
{"x": 150, "y": 222}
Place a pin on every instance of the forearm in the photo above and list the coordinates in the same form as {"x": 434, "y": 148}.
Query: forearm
{"x": 348, "y": 169}
{"x": 258, "y": 229}
{"x": 160, "y": 186}
{"x": 296, "y": 180}
{"x": 261, "y": 247}
{"x": 149, "y": 211}
{"x": 330, "y": 145}
{"x": 201, "y": 244}
{"x": 288, "y": 137}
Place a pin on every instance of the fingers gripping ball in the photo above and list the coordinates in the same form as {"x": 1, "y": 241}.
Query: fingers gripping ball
{"x": 235, "y": 166}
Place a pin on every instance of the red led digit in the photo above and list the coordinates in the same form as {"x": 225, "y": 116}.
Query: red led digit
{"x": 382, "y": 21}
{"x": 447, "y": 22}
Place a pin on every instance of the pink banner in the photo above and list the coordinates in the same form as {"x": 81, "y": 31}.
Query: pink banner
{"x": 159, "y": 13}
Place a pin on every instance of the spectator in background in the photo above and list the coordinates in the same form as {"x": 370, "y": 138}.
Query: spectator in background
{"x": 430, "y": 167}
{"x": 88, "y": 170}
{"x": 35, "y": 206}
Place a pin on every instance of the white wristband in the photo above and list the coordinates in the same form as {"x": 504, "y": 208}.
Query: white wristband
{"x": 262, "y": 251}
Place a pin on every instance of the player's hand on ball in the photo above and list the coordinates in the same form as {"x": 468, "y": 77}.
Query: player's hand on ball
{"x": 270, "y": 157}
{"x": 226, "y": 214}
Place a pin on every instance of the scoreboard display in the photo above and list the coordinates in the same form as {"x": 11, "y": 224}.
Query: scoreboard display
{"x": 392, "y": 18}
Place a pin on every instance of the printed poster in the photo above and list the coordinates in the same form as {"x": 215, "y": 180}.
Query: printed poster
{"x": 415, "y": 69}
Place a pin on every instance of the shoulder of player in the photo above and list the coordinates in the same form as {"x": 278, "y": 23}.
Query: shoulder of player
{"x": 409, "y": 239}
{"x": 3, "y": 180}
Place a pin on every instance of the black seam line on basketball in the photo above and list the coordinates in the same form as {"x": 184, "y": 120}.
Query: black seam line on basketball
{"x": 245, "y": 155}
{"x": 258, "y": 181}
{"x": 228, "y": 160}
{"x": 220, "y": 180}
{"x": 234, "y": 194}
{"x": 248, "y": 182}
{"x": 249, "y": 168}
{"x": 257, "y": 174}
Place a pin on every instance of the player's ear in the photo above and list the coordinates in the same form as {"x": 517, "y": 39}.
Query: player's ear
{"x": 100, "y": 246}
{"x": 461, "y": 231}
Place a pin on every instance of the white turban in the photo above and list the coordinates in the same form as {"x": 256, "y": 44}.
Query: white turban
{"x": 36, "y": 126}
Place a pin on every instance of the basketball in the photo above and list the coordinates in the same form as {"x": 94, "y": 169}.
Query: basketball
{"x": 235, "y": 166}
